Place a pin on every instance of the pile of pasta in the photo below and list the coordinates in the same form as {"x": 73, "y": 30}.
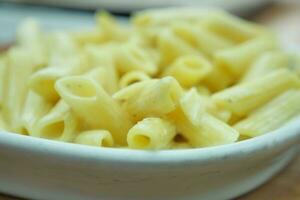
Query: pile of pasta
{"x": 171, "y": 78}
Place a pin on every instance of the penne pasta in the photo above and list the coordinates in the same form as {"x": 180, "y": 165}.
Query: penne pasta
{"x": 237, "y": 60}
{"x": 35, "y": 108}
{"x": 93, "y": 105}
{"x": 151, "y": 133}
{"x": 189, "y": 70}
{"x": 42, "y": 82}
{"x": 243, "y": 98}
{"x": 133, "y": 77}
{"x": 103, "y": 56}
{"x": 171, "y": 47}
{"x": 265, "y": 64}
{"x": 218, "y": 79}
{"x": 131, "y": 57}
{"x": 232, "y": 28}
{"x": 199, "y": 128}
{"x": 156, "y": 98}
{"x": 20, "y": 65}
{"x": 200, "y": 38}
{"x": 59, "y": 124}
{"x": 272, "y": 115}
{"x": 99, "y": 138}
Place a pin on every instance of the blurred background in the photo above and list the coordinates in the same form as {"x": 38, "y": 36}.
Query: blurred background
{"x": 281, "y": 16}
{"x": 73, "y": 14}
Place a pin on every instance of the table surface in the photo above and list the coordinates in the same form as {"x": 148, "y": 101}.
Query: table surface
{"x": 283, "y": 18}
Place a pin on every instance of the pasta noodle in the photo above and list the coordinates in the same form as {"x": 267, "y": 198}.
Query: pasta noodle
{"x": 189, "y": 70}
{"x": 171, "y": 78}
{"x": 272, "y": 115}
{"x": 58, "y": 124}
{"x": 133, "y": 77}
{"x": 244, "y": 98}
{"x": 151, "y": 133}
{"x": 100, "y": 138}
{"x": 91, "y": 103}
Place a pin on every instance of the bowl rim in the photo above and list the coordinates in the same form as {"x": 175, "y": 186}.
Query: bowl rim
{"x": 287, "y": 135}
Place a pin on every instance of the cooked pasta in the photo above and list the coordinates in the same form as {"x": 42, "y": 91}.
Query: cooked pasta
{"x": 173, "y": 78}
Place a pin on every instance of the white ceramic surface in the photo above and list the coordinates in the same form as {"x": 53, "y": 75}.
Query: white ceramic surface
{"x": 48, "y": 170}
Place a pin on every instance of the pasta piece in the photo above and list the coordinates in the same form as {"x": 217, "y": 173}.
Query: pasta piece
{"x": 20, "y": 65}
{"x": 83, "y": 38}
{"x": 203, "y": 90}
{"x": 198, "y": 127}
{"x": 200, "y": 38}
{"x": 61, "y": 46}
{"x": 156, "y": 98}
{"x": 218, "y": 79}
{"x": 30, "y": 37}
{"x": 272, "y": 115}
{"x": 133, "y": 77}
{"x": 265, "y": 64}
{"x": 109, "y": 27}
{"x": 171, "y": 47}
{"x": 151, "y": 133}
{"x": 167, "y": 16}
{"x": 103, "y": 56}
{"x": 243, "y": 98}
{"x": 93, "y": 105}
{"x": 236, "y": 60}
{"x": 232, "y": 28}
{"x": 189, "y": 70}
{"x": 132, "y": 90}
{"x": 58, "y": 124}
{"x": 35, "y": 108}
{"x": 99, "y": 138}
{"x": 42, "y": 82}
{"x": 132, "y": 57}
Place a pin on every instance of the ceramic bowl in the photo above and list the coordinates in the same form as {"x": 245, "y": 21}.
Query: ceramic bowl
{"x": 49, "y": 170}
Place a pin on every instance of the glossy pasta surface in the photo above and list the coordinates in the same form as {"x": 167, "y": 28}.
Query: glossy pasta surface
{"x": 169, "y": 79}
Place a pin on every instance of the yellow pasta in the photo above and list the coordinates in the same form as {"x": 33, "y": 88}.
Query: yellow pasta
{"x": 151, "y": 133}
{"x": 133, "y": 77}
{"x": 243, "y": 98}
{"x": 236, "y": 60}
{"x": 272, "y": 115}
{"x": 132, "y": 57}
{"x": 156, "y": 98}
{"x": 35, "y": 108}
{"x": 189, "y": 70}
{"x": 58, "y": 124}
{"x": 200, "y": 38}
{"x": 171, "y": 78}
{"x": 93, "y": 105}
{"x": 20, "y": 65}
{"x": 232, "y": 28}
{"x": 171, "y": 47}
{"x": 42, "y": 82}
{"x": 200, "y": 128}
{"x": 99, "y": 138}
{"x": 103, "y": 56}
{"x": 266, "y": 63}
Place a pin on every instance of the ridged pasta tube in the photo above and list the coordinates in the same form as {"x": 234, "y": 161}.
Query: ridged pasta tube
{"x": 151, "y": 133}
{"x": 94, "y": 106}
{"x": 99, "y": 138}
{"x": 272, "y": 115}
{"x": 243, "y": 98}
{"x": 189, "y": 70}
{"x": 58, "y": 124}
{"x": 133, "y": 77}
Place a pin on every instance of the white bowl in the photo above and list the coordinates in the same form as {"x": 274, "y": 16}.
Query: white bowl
{"x": 48, "y": 170}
